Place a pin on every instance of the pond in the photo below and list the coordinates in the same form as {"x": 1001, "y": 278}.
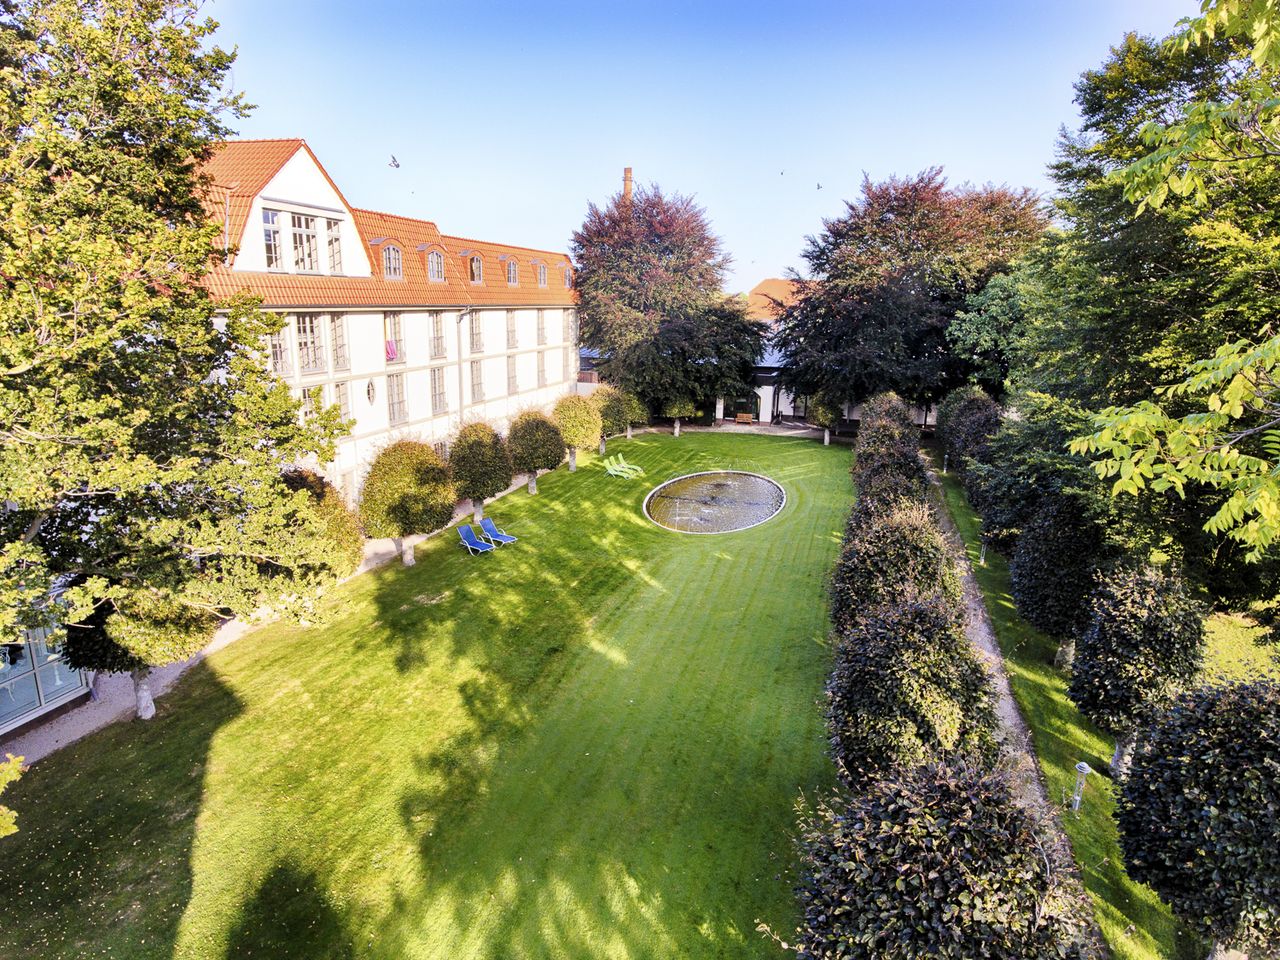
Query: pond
{"x": 718, "y": 501}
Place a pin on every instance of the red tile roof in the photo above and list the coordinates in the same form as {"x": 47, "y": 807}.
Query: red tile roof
{"x": 242, "y": 168}
{"x": 763, "y": 300}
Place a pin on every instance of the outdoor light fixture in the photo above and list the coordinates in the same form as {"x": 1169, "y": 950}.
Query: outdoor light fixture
{"x": 982, "y": 555}
{"x": 944, "y": 463}
{"x": 1082, "y": 772}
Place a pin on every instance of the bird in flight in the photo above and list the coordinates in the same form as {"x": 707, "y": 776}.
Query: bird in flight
{"x": 819, "y": 186}
{"x": 394, "y": 162}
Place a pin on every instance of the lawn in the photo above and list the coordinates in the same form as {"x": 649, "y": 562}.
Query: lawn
{"x": 587, "y": 744}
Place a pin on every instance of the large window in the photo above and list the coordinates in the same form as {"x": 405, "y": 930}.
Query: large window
{"x": 394, "y": 337}
{"x": 542, "y": 368}
{"x": 333, "y": 236}
{"x": 338, "y": 341}
{"x": 513, "y": 273}
{"x": 280, "y": 364}
{"x": 475, "y": 269}
{"x": 271, "y": 238}
{"x": 542, "y": 327}
{"x": 33, "y": 678}
{"x": 513, "y": 339}
{"x": 310, "y": 343}
{"x": 542, "y": 274}
{"x": 477, "y": 333}
{"x": 570, "y": 332}
{"x": 477, "y": 381}
{"x": 392, "y": 262}
{"x": 306, "y": 255}
{"x": 568, "y": 278}
{"x": 439, "y": 404}
{"x": 513, "y": 383}
{"x": 396, "y": 411}
{"x": 342, "y": 397}
{"x": 437, "y": 335}
{"x": 435, "y": 266}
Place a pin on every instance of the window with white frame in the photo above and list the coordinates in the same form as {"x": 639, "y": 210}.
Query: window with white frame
{"x": 513, "y": 383}
{"x": 568, "y": 278}
{"x": 308, "y": 399}
{"x": 441, "y": 448}
{"x": 513, "y": 338}
{"x": 477, "y": 333}
{"x": 477, "y": 381}
{"x": 437, "y": 335}
{"x": 439, "y": 403}
{"x": 513, "y": 273}
{"x": 310, "y": 343}
{"x": 338, "y": 341}
{"x": 542, "y": 368}
{"x": 342, "y": 397}
{"x": 475, "y": 269}
{"x": 396, "y": 410}
{"x": 542, "y": 327}
{"x": 333, "y": 237}
{"x": 280, "y": 364}
{"x": 271, "y": 239}
{"x": 570, "y": 332}
{"x": 435, "y": 266}
{"x": 306, "y": 254}
{"x": 392, "y": 262}
{"x": 394, "y": 337}
{"x": 542, "y": 274}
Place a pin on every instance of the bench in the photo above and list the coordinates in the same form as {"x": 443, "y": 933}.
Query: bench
{"x": 744, "y": 418}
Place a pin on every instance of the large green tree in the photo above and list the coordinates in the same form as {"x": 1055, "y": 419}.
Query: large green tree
{"x": 143, "y": 439}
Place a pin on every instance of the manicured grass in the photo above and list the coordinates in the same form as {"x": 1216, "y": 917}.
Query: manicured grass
{"x": 1135, "y": 923}
{"x": 587, "y": 744}
{"x": 1233, "y": 651}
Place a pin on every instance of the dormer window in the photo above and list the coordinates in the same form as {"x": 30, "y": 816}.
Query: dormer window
{"x": 475, "y": 269}
{"x": 513, "y": 273}
{"x": 271, "y": 238}
{"x": 306, "y": 254}
{"x": 435, "y": 266}
{"x": 392, "y": 262}
{"x": 568, "y": 279}
{"x": 333, "y": 236}
{"x": 542, "y": 274}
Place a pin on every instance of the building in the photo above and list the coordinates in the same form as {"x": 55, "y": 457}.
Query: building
{"x": 409, "y": 331}
{"x": 768, "y": 401}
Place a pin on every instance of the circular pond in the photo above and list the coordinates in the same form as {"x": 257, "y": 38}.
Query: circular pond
{"x": 719, "y": 501}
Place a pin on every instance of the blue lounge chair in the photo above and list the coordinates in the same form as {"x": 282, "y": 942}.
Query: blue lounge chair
{"x": 473, "y": 543}
{"x": 495, "y": 536}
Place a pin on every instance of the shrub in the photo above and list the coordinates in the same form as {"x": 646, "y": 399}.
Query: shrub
{"x": 899, "y": 553}
{"x": 907, "y": 688}
{"x": 340, "y": 525}
{"x": 612, "y": 406}
{"x": 825, "y": 413}
{"x": 1144, "y": 642}
{"x": 579, "y": 423}
{"x": 680, "y": 409}
{"x": 943, "y": 863}
{"x": 534, "y": 443}
{"x": 967, "y": 419}
{"x": 408, "y": 489}
{"x": 480, "y": 464}
{"x": 637, "y": 412}
{"x": 1053, "y": 566}
{"x": 886, "y": 406}
{"x": 1199, "y": 814}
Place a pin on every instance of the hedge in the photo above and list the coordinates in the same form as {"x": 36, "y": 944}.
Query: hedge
{"x": 535, "y": 443}
{"x": 967, "y": 419}
{"x": 340, "y": 524}
{"x": 579, "y": 422}
{"x": 407, "y": 490}
{"x": 1054, "y": 564}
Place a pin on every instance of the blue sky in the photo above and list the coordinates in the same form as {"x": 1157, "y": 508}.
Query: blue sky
{"x": 508, "y": 118}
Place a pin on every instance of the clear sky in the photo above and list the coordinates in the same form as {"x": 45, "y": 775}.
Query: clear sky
{"x": 508, "y": 118}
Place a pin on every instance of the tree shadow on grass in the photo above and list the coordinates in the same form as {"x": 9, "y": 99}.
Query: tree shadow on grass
{"x": 290, "y": 918}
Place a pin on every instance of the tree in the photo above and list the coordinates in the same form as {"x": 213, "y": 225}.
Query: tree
{"x": 1199, "y": 815}
{"x": 888, "y": 278}
{"x": 143, "y": 438}
{"x": 10, "y": 771}
{"x": 1144, "y": 643}
{"x": 480, "y": 464}
{"x": 637, "y": 412}
{"x": 341, "y": 525}
{"x": 825, "y": 414}
{"x": 612, "y": 405}
{"x": 408, "y": 489}
{"x": 579, "y": 423}
{"x": 677, "y": 410}
{"x": 984, "y": 335}
{"x": 535, "y": 444}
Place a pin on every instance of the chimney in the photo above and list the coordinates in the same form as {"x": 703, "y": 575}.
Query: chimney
{"x": 626, "y": 183}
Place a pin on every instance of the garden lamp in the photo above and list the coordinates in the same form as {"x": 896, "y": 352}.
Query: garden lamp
{"x": 1082, "y": 772}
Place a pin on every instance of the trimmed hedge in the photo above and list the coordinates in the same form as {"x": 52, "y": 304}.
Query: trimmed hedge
{"x": 908, "y": 689}
{"x": 340, "y": 524}
{"x": 967, "y": 419}
{"x": 679, "y": 409}
{"x": 1054, "y": 564}
{"x": 942, "y": 862}
{"x": 479, "y": 462}
{"x": 579, "y": 422}
{"x": 637, "y": 412}
{"x": 534, "y": 443}
{"x": 612, "y": 406}
{"x": 407, "y": 490}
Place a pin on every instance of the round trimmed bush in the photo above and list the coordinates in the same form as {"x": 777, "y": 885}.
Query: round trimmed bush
{"x": 886, "y": 406}
{"x": 637, "y": 412}
{"x": 679, "y": 409}
{"x": 967, "y": 419}
{"x": 943, "y": 862}
{"x": 339, "y": 523}
{"x": 579, "y": 423}
{"x": 407, "y": 490}
{"x": 1144, "y": 643}
{"x": 535, "y": 444}
{"x": 480, "y": 464}
{"x": 907, "y": 689}
{"x": 613, "y": 410}
{"x": 1199, "y": 815}
{"x": 1054, "y": 564}
{"x": 901, "y": 553}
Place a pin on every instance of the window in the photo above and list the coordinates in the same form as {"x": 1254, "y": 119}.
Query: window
{"x": 442, "y": 449}
{"x": 391, "y": 333}
{"x": 477, "y": 333}
{"x": 308, "y": 400}
{"x": 342, "y": 397}
{"x": 568, "y": 279}
{"x": 333, "y": 233}
{"x": 338, "y": 341}
{"x": 477, "y": 381}
{"x": 370, "y": 391}
{"x": 435, "y": 266}
{"x": 512, "y": 339}
{"x": 512, "y": 382}
{"x": 542, "y": 368}
{"x": 437, "y": 335}
{"x": 392, "y": 262}
{"x": 542, "y": 274}
{"x": 513, "y": 273}
{"x": 439, "y": 404}
{"x": 396, "y": 411}
{"x": 570, "y": 333}
{"x": 271, "y": 237}
{"x": 475, "y": 268}
{"x": 310, "y": 343}
{"x": 542, "y": 327}
{"x": 306, "y": 256}
{"x": 280, "y": 365}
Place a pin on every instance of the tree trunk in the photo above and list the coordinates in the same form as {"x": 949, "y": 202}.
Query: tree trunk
{"x": 477, "y": 508}
{"x": 677, "y": 426}
{"x": 826, "y": 436}
{"x": 1066, "y": 654}
{"x": 1120, "y": 760}
{"x": 406, "y": 552}
{"x": 533, "y": 481}
{"x": 573, "y": 459}
{"x": 142, "y": 693}
{"x": 628, "y": 431}
{"x": 602, "y": 446}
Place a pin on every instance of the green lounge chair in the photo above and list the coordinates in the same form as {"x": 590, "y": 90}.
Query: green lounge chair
{"x": 616, "y": 469}
{"x": 638, "y": 471}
